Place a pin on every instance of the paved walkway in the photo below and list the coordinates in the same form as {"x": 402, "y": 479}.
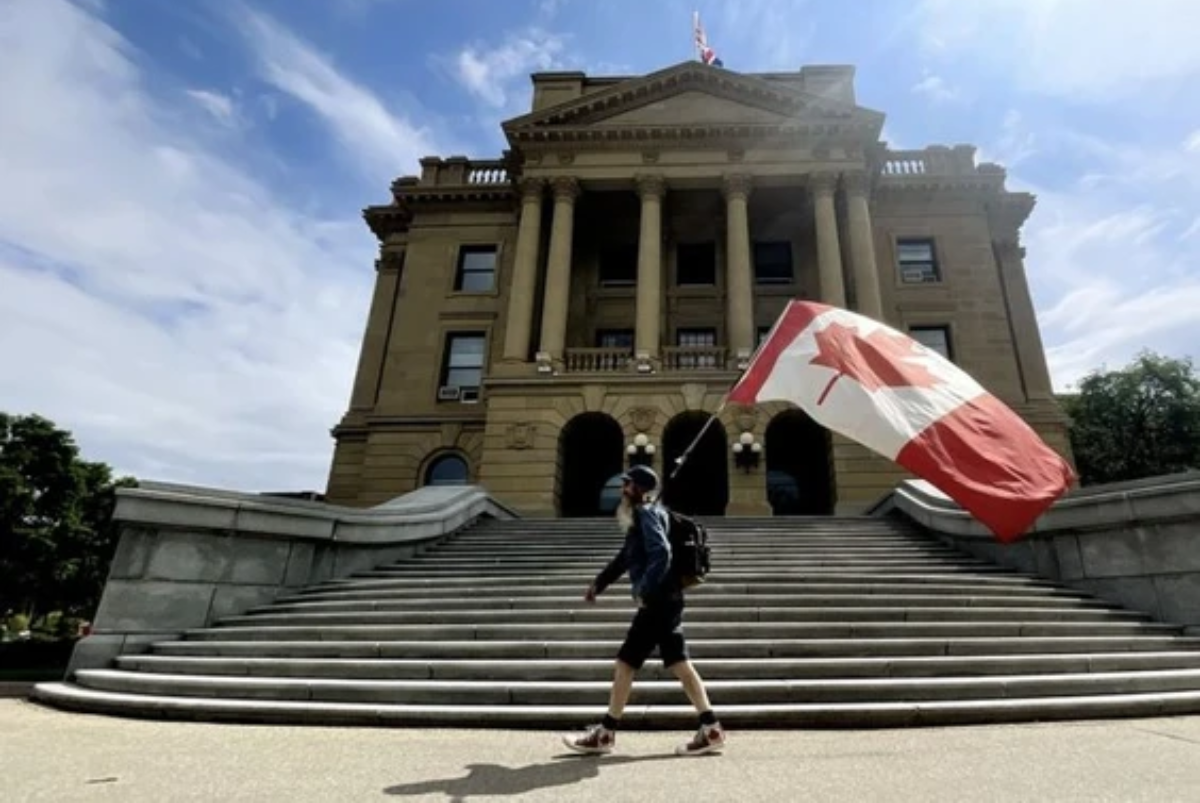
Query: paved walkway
{"x": 55, "y": 756}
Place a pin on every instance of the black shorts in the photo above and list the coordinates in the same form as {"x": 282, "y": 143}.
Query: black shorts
{"x": 659, "y": 624}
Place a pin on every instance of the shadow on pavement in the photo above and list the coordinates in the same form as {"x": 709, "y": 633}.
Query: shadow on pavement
{"x": 494, "y": 779}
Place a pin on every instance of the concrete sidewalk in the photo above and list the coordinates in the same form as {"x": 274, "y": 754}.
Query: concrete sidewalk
{"x": 54, "y": 756}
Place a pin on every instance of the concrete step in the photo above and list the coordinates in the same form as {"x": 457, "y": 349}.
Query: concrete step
{"x": 726, "y": 563}
{"x": 709, "y": 668}
{"x": 694, "y": 628}
{"x": 582, "y": 614}
{"x": 650, "y": 692}
{"x": 301, "y": 604}
{"x": 459, "y": 554}
{"x": 699, "y": 648}
{"x": 637, "y": 716}
{"x": 585, "y": 572}
{"x": 619, "y": 592}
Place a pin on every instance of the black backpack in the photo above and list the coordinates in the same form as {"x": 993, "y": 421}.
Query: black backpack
{"x": 690, "y": 553}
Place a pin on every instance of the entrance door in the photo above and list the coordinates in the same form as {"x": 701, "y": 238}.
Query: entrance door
{"x": 798, "y": 468}
{"x": 702, "y": 487}
{"x": 590, "y": 451}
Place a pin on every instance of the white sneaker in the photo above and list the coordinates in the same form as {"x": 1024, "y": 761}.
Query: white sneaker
{"x": 708, "y": 739}
{"x": 595, "y": 740}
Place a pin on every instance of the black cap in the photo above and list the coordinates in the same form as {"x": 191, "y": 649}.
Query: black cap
{"x": 642, "y": 476}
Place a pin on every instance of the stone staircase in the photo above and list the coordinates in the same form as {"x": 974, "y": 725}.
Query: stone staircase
{"x": 847, "y": 622}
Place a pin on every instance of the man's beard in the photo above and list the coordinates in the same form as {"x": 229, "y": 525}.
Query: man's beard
{"x": 624, "y": 513}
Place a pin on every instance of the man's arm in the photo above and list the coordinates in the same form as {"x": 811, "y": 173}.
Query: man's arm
{"x": 658, "y": 550}
{"x": 609, "y": 574}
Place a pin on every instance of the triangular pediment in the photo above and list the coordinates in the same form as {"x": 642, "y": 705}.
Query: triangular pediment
{"x": 691, "y": 95}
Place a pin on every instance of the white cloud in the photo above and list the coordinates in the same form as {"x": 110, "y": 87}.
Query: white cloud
{"x": 218, "y": 105}
{"x": 382, "y": 144}
{"x": 775, "y": 33}
{"x": 172, "y": 311}
{"x": 1192, "y": 143}
{"x": 1069, "y": 48}
{"x": 935, "y": 88}
{"x": 499, "y": 74}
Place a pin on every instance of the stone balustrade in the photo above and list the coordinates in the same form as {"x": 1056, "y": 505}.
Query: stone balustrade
{"x": 1135, "y": 543}
{"x": 936, "y": 160}
{"x": 694, "y": 358}
{"x": 598, "y": 360}
{"x": 458, "y": 171}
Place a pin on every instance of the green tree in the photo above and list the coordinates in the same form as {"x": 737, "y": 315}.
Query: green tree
{"x": 1140, "y": 421}
{"x": 56, "y": 533}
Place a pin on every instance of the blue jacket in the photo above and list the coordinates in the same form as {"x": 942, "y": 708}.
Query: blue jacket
{"x": 646, "y": 555}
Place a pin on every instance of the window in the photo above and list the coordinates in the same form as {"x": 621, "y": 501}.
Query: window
{"x": 934, "y": 338}
{"x": 773, "y": 263}
{"x": 917, "y": 262}
{"x": 476, "y": 269}
{"x": 462, "y": 366}
{"x": 697, "y": 339}
{"x": 448, "y": 469}
{"x": 618, "y": 266}
{"x": 696, "y": 264}
{"x": 614, "y": 338}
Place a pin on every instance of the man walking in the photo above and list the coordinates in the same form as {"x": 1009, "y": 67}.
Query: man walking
{"x": 646, "y": 555}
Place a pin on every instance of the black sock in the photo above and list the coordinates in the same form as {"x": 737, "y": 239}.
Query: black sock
{"x": 708, "y": 718}
{"x": 609, "y": 722}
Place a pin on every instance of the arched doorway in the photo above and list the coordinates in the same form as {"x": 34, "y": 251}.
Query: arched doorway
{"x": 702, "y": 487}
{"x": 590, "y": 450}
{"x": 798, "y": 468}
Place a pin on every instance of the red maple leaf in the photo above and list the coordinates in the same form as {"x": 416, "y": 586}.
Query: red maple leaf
{"x": 878, "y": 360}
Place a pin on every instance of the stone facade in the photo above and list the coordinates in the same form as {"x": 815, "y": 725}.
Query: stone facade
{"x": 541, "y": 320}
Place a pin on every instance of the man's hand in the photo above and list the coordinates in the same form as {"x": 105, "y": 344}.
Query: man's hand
{"x": 589, "y": 596}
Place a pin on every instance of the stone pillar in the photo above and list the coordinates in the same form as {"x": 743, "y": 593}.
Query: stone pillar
{"x": 649, "y": 271}
{"x": 558, "y": 271}
{"x": 739, "y": 276}
{"x": 373, "y": 357}
{"x": 1031, "y": 355}
{"x": 524, "y": 281}
{"x": 829, "y": 250}
{"x": 862, "y": 245}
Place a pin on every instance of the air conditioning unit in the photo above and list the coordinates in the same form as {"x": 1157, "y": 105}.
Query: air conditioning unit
{"x": 449, "y": 393}
{"x": 916, "y": 276}
{"x": 469, "y": 396}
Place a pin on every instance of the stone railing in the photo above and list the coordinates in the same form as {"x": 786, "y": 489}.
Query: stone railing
{"x": 598, "y": 360}
{"x": 458, "y": 171}
{"x": 189, "y": 556}
{"x": 694, "y": 358}
{"x": 936, "y": 160}
{"x": 1135, "y": 543}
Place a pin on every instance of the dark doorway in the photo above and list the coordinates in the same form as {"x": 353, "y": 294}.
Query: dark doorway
{"x": 590, "y": 451}
{"x": 798, "y": 469}
{"x": 702, "y": 487}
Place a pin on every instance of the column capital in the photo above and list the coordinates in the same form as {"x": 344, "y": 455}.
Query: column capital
{"x": 566, "y": 188}
{"x": 650, "y": 185}
{"x": 1008, "y": 247}
{"x": 736, "y": 185}
{"x": 823, "y": 182}
{"x": 856, "y": 183}
{"x": 531, "y": 189}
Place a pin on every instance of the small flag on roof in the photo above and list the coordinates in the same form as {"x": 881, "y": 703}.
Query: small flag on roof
{"x": 706, "y": 53}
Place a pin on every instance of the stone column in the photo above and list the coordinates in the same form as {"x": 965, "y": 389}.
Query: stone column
{"x": 649, "y": 271}
{"x": 558, "y": 271}
{"x": 862, "y": 245}
{"x": 373, "y": 357}
{"x": 739, "y": 274}
{"x": 524, "y": 281}
{"x": 829, "y": 250}
{"x": 1031, "y": 355}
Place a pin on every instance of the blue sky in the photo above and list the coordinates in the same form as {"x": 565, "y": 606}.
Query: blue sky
{"x": 184, "y": 275}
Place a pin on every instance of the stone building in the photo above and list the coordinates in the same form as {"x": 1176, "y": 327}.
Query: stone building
{"x": 542, "y": 320}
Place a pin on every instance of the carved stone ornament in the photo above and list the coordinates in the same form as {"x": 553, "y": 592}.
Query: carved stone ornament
{"x": 650, "y": 186}
{"x": 823, "y": 182}
{"x": 745, "y": 418}
{"x": 532, "y": 188}
{"x": 693, "y": 395}
{"x": 521, "y": 435}
{"x": 736, "y": 185}
{"x": 650, "y": 157}
{"x": 566, "y": 188}
{"x": 566, "y": 158}
{"x": 533, "y": 159}
{"x": 451, "y": 432}
{"x": 642, "y": 418}
{"x": 856, "y": 183}
{"x": 593, "y": 397}
{"x": 389, "y": 261}
{"x": 736, "y": 155}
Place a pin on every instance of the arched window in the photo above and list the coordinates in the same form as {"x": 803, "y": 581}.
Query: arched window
{"x": 448, "y": 469}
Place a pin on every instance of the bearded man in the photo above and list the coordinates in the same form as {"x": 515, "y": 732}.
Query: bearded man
{"x": 646, "y": 555}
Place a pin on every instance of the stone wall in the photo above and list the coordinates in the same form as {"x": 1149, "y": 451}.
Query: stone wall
{"x": 190, "y": 556}
{"x": 1136, "y": 544}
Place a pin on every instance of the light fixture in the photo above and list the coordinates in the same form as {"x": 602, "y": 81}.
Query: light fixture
{"x": 641, "y": 450}
{"x": 747, "y": 451}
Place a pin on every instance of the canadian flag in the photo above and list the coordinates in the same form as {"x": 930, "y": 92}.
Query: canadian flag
{"x": 883, "y": 389}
